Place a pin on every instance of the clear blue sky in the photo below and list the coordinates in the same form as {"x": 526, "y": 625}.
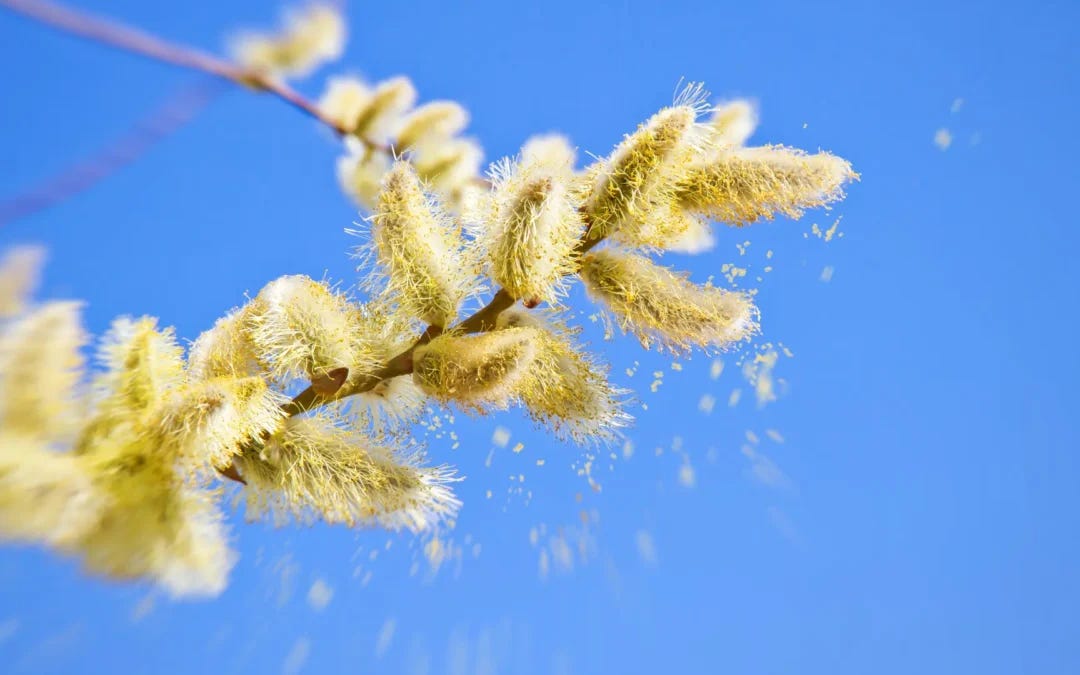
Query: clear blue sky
{"x": 921, "y": 515}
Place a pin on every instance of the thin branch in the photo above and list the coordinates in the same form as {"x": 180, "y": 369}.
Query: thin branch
{"x": 183, "y": 107}
{"x": 120, "y": 36}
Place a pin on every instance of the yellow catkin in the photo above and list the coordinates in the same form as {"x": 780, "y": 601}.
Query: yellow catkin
{"x": 533, "y": 226}
{"x": 207, "y": 422}
{"x": 18, "y": 276}
{"x": 45, "y": 496}
{"x": 315, "y": 468}
{"x": 665, "y": 308}
{"x": 449, "y": 165}
{"x": 430, "y": 123}
{"x": 478, "y": 372}
{"x": 368, "y": 113}
{"x": 143, "y": 364}
{"x": 224, "y": 351}
{"x": 630, "y": 183}
{"x": 389, "y": 102}
{"x": 40, "y": 366}
{"x": 301, "y": 328}
{"x": 565, "y": 390}
{"x": 154, "y": 522}
{"x": 344, "y": 99}
{"x": 742, "y": 185}
{"x": 309, "y": 39}
{"x": 419, "y": 250}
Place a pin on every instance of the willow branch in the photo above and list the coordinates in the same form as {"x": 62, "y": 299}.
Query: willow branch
{"x": 127, "y": 38}
{"x": 479, "y": 321}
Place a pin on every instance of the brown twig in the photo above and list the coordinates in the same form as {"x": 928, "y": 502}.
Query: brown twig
{"x": 162, "y": 122}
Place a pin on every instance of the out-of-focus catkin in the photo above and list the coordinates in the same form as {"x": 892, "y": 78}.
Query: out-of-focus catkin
{"x": 478, "y": 372}
{"x": 533, "y": 226}
{"x": 309, "y": 39}
{"x": 19, "y": 270}
{"x": 432, "y": 122}
{"x": 732, "y": 123}
{"x": 419, "y": 250}
{"x": 665, "y": 308}
{"x": 40, "y": 368}
{"x": 370, "y": 114}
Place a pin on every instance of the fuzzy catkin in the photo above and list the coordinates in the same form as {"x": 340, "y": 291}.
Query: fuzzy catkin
{"x": 19, "y": 270}
{"x": 309, "y": 39}
{"x": 664, "y": 308}
{"x": 299, "y": 327}
{"x": 432, "y": 122}
{"x": 625, "y": 187}
{"x": 314, "y": 468}
{"x": 565, "y": 389}
{"x": 40, "y": 367}
{"x": 419, "y": 250}
{"x": 478, "y": 372}
{"x": 742, "y": 185}
{"x": 533, "y": 226}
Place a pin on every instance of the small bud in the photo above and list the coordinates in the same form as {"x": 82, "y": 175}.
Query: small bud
{"x": 224, "y": 351}
{"x": 477, "y": 372}
{"x": 665, "y": 308}
{"x": 390, "y": 100}
{"x": 206, "y": 423}
{"x": 344, "y": 99}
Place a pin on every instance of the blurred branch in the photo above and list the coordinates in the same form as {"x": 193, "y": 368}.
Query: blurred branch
{"x": 120, "y": 36}
{"x": 174, "y": 114}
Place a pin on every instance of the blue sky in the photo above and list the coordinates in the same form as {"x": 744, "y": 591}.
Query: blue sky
{"x": 922, "y": 512}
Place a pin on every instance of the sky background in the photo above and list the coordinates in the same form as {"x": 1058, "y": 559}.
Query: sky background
{"x": 920, "y": 515}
